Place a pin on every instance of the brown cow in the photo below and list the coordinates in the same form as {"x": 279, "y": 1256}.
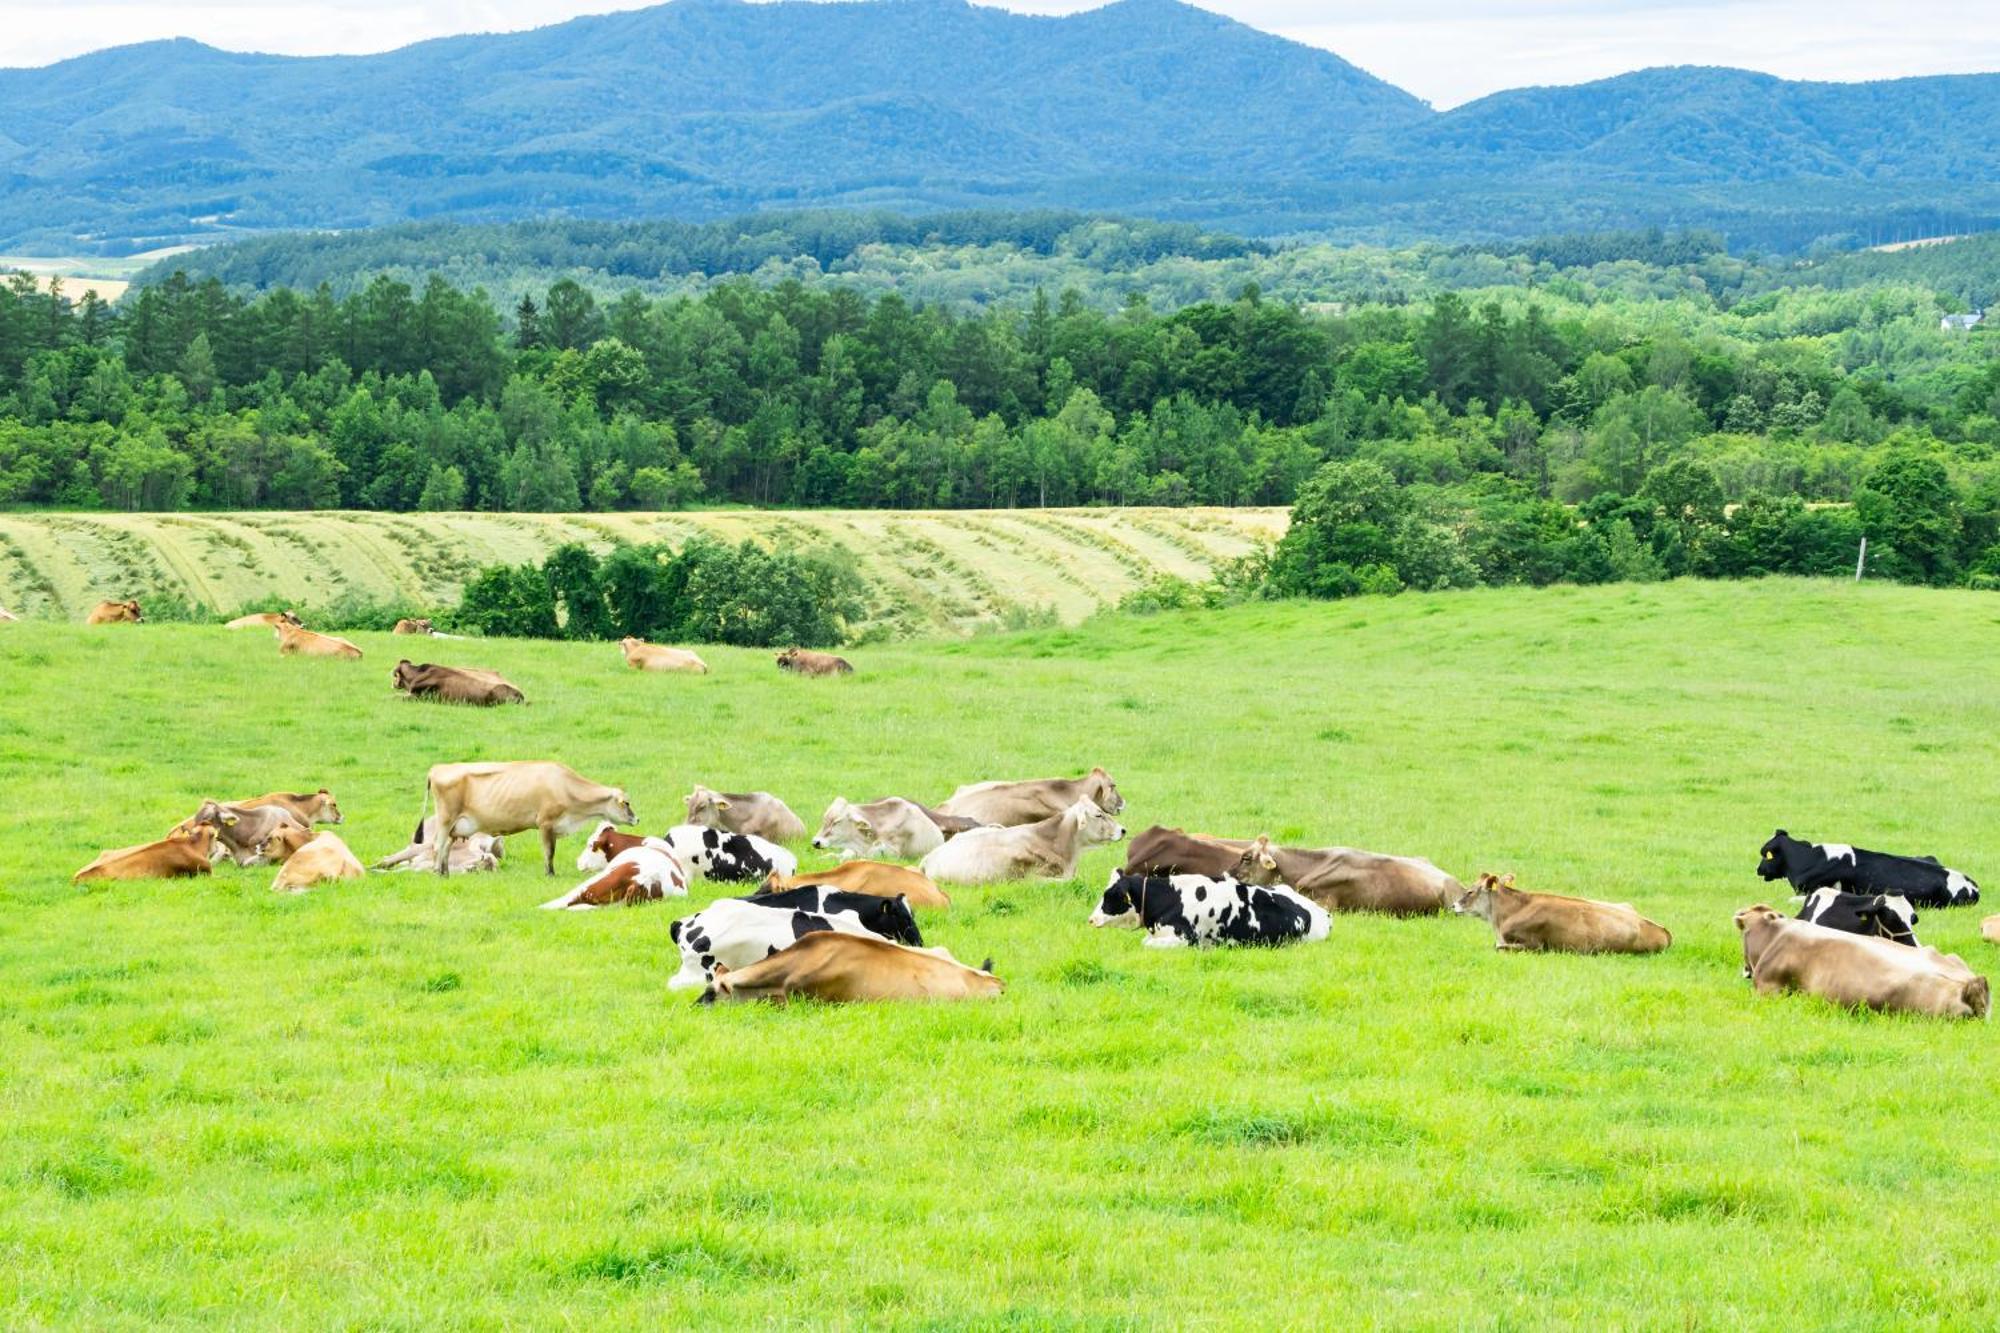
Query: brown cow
{"x": 1342, "y": 879}
{"x": 323, "y": 859}
{"x": 175, "y": 856}
{"x": 643, "y": 656}
{"x": 1009, "y": 803}
{"x": 513, "y": 797}
{"x": 266, "y": 620}
{"x": 879, "y": 879}
{"x": 316, "y": 807}
{"x": 284, "y": 843}
{"x": 1169, "y": 851}
{"x": 458, "y": 685}
{"x": 413, "y": 627}
{"x": 805, "y": 662}
{"x": 114, "y": 613}
{"x": 293, "y": 640}
{"x": 1782, "y": 953}
{"x": 1548, "y": 921}
{"x": 842, "y": 968}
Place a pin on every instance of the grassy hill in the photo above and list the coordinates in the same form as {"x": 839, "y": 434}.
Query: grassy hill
{"x": 928, "y": 572}
{"x": 405, "y": 1103}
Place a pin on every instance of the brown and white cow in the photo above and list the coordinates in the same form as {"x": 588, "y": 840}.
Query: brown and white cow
{"x": 114, "y": 613}
{"x": 1009, "y": 803}
{"x": 1344, "y": 879}
{"x": 265, "y": 620}
{"x": 754, "y": 812}
{"x": 241, "y": 831}
{"x": 1046, "y": 849}
{"x": 465, "y": 856}
{"x": 891, "y": 826}
{"x": 324, "y": 859}
{"x": 176, "y": 856}
{"x": 1782, "y": 953}
{"x": 642, "y": 874}
{"x": 843, "y": 969}
{"x": 1550, "y": 922}
{"x": 878, "y": 879}
{"x": 419, "y": 626}
{"x": 294, "y": 641}
{"x": 450, "y": 684}
{"x": 643, "y": 656}
{"x": 316, "y": 807}
{"x": 805, "y": 662}
{"x": 513, "y": 797}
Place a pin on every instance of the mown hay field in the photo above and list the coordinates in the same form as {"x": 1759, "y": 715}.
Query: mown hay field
{"x": 928, "y": 572}
{"x": 407, "y": 1103}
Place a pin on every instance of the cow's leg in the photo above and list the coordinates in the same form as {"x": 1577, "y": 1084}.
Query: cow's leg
{"x": 1164, "y": 939}
{"x": 548, "y": 849}
{"x": 442, "y": 852}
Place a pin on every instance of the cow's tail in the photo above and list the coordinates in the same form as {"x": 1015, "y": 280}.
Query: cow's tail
{"x": 423, "y": 811}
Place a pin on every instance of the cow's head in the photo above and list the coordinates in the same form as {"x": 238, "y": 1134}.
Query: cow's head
{"x": 132, "y": 610}
{"x": 1122, "y": 902}
{"x": 284, "y": 843}
{"x": 405, "y": 674}
{"x": 212, "y": 814}
{"x": 705, "y": 807}
{"x": 1890, "y": 916}
{"x": 1478, "y": 900}
{"x": 619, "y": 809}
{"x": 845, "y": 828}
{"x": 596, "y": 853}
{"x": 1257, "y": 865}
{"x": 1094, "y": 827}
{"x": 892, "y": 919}
{"x": 788, "y": 659}
{"x": 291, "y": 617}
{"x": 329, "y": 809}
{"x": 1774, "y": 860}
{"x": 628, "y": 643}
{"x": 1104, "y": 791}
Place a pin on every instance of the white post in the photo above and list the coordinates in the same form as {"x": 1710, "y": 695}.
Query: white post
{"x": 1861, "y": 559}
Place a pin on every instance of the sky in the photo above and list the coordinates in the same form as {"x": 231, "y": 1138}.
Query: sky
{"x": 1445, "y": 51}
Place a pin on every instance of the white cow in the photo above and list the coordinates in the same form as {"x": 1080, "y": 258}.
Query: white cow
{"x": 1046, "y": 849}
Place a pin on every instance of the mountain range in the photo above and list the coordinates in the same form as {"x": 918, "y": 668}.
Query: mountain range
{"x": 707, "y": 108}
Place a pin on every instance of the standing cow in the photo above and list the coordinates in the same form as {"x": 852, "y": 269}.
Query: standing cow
{"x": 504, "y": 798}
{"x": 1836, "y": 865}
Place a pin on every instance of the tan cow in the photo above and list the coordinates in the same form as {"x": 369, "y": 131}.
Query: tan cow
{"x": 114, "y": 613}
{"x": 879, "y": 879}
{"x": 266, "y": 620}
{"x": 513, "y": 797}
{"x": 891, "y": 826}
{"x": 805, "y": 662}
{"x": 842, "y": 968}
{"x": 419, "y": 626}
{"x": 294, "y": 641}
{"x": 323, "y": 859}
{"x": 450, "y": 684}
{"x": 1552, "y": 923}
{"x": 466, "y": 856}
{"x": 1989, "y": 929}
{"x": 1342, "y": 879}
{"x": 1783, "y": 953}
{"x": 1046, "y": 849}
{"x": 176, "y": 856}
{"x": 284, "y": 843}
{"x": 643, "y": 656}
{"x": 754, "y": 812}
{"x": 316, "y": 807}
{"x": 1008, "y": 803}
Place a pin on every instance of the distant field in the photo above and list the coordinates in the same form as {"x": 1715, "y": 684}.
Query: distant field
{"x": 109, "y": 278}
{"x": 928, "y": 572}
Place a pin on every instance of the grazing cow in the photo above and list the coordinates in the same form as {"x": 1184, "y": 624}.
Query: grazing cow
{"x": 176, "y": 856}
{"x": 844, "y": 969}
{"x": 513, "y": 797}
{"x": 1169, "y": 851}
{"x": 466, "y": 856}
{"x": 317, "y": 807}
{"x": 1010, "y": 803}
{"x": 296, "y": 642}
{"x": 1883, "y": 914}
{"x": 754, "y": 812}
{"x": 1835, "y": 865}
{"x": 239, "y": 831}
{"x": 1783, "y": 954}
{"x": 1342, "y": 879}
{"x": 458, "y": 685}
{"x": 418, "y": 626}
{"x": 877, "y": 878}
{"x": 643, "y": 656}
{"x": 265, "y": 620}
{"x": 741, "y": 931}
{"x": 732, "y": 858}
{"x": 636, "y": 875}
{"x": 320, "y": 861}
{"x": 1047, "y": 849}
{"x": 805, "y": 662}
{"x": 1177, "y": 910}
{"x": 891, "y": 826}
{"x": 1550, "y": 922}
{"x": 114, "y": 613}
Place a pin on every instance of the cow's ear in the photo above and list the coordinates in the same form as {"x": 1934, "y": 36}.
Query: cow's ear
{"x": 1781, "y": 834}
{"x": 1507, "y": 880}
{"x": 722, "y": 802}
{"x": 721, "y": 971}
{"x": 863, "y": 826}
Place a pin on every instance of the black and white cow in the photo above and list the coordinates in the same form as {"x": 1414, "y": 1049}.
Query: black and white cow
{"x": 1888, "y": 915}
{"x": 741, "y": 931}
{"x": 1177, "y": 910}
{"x": 734, "y": 858}
{"x": 1835, "y": 865}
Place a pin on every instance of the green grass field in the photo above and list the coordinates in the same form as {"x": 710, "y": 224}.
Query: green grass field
{"x": 406, "y": 1103}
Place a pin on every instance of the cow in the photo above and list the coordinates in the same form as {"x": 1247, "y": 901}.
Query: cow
{"x": 877, "y": 878}
{"x": 1989, "y": 929}
{"x": 296, "y": 642}
{"x": 605, "y": 842}
{"x": 241, "y": 832}
{"x": 643, "y": 656}
{"x": 465, "y": 856}
{"x": 1531, "y": 922}
{"x": 1179, "y": 910}
{"x": 754, "y": 812}
{"x": 285, "y": 842}
{"x": 1342, "y": 879}
{"x": 805, "y": 662}
{"x": 740, "y": 931}
{"x": 1010, "y": 803}
{"x": 418, "y": 626}
{"x": 266, "y": 620}
{"x": 459, "y": 685}
{"x": 732, "y": 858}
{"x": 324, "y": 859}
{"x": 316, "y": 807}
{"x": 841, "y": 969}
{"x": 890, "y": 827}
{"x": 1783, "y": 954}
{"x": 636, "y": 875}
{"x": 1047, "y": 849}
{"x": 1836, "y": 865}
{"x": 1883, "y": 914}
{"x": 176, "y": 856}
{"x": 513, "y": 797}
{"x": 114, "y": 613}
{"x": 1169, "y": 851}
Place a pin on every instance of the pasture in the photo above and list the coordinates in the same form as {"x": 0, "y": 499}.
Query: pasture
{"x": 406, "y": 1102}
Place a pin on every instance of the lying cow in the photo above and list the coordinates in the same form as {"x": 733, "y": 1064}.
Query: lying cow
{"x": 741, "y": 931}
{"x": 842, "y": 969}
{"x": 1552, "y": 923}
{"x": 639, "y": 874}
{"x": 606, "y": 842}
{"x": 241, "y": 831}
{"x": 1835, "y": 865}
{"x": 465, "y": 856}
{"x": 1010, "y": 803}
{"x": 265, "y": 620}
{"x": 1783, "y": 954}
{"x": 1177, "y": 910}
{"x": 1883, "y": 914}
{"x": 1048, "y": 849}
{"x": 1169, "y": 851}
{"x": 420, "y": 625}
{"x": 732, "y": 858}
{"x": 458, "y": 685}
{"x": 286, "y": 843}
{"x": 176, "y": 856}
{"x": 876, "y": 878}
{"x": 753, "y": 812}
{"x": 296, "y": 642}
{"x": 805, "y": 662}
{"x": 890, "y": 827}
{"x": 1342, "y": 879}
{"x": 513, "y": 797}
{"x": 321, "y": 861}
{"x": 643, "y": 656}
{"x": 316, "y": 807}
{"x": 114, "y": 613}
